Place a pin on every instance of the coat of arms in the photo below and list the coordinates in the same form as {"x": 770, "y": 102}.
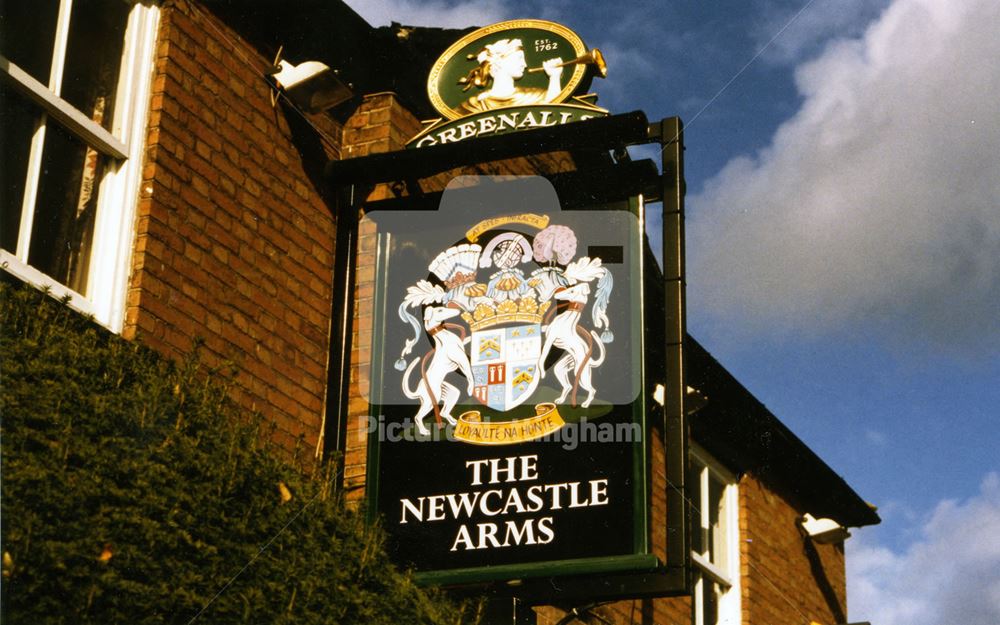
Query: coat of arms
{"x": 496, "y": 313}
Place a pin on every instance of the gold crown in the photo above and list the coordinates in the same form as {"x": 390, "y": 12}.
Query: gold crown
{"x": 524, "y": 310}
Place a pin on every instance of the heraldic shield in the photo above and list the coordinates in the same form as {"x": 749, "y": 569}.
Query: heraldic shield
{"x": 505, "y": 364}
{"x": 525, "y": 311}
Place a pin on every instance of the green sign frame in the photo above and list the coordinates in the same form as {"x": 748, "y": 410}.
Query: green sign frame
{"x": 638, "y": 557}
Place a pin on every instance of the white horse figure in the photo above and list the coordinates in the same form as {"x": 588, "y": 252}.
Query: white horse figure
{"x": 447, "y": 355}
{"x": 578, "y": 344}
{"x": 570, "y": 288}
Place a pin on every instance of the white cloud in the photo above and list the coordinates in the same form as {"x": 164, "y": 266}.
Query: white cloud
{"x": 628, "y": 65}
{"x": 875, "y": 438}
{"x": 810, "y": 25}
{"x": 949, "y": 575}
{"x": 438, "y": 13}
{"x": 879, "y": 200}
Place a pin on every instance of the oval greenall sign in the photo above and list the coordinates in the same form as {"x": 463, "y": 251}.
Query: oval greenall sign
{"x": 510, "y": 76}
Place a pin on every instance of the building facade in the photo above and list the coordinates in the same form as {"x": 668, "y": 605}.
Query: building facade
{"x": 163, "y": 191}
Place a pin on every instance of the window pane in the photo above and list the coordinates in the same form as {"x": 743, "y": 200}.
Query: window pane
{"x": 17, "y": 123}
{"x": 698, "y": 543}
{"x": 65, "y": 210}
{"x": 711, "y": 601}
{"x": 93, "y": 57}
{"x": 717, "y": 525}
{"x": 28, "y": 35}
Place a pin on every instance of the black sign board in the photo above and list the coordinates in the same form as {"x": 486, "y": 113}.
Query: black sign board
{"x": 507, "y": 434}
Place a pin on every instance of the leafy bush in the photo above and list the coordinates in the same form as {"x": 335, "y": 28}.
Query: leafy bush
{"x": 134, "y": 492}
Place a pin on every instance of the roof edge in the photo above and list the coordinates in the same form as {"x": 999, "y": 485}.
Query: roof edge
{"x": 738, "y": 429}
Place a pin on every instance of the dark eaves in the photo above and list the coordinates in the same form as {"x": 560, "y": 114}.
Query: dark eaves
{"x": 394, "y": 58}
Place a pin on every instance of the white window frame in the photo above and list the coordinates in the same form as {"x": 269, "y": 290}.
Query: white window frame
{"x": 123, "y": 145}
{"x": 703, "y": 465}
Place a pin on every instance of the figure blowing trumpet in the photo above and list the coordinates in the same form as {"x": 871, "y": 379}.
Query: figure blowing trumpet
{"x": 594, "y": 57}
{"x": 500, "y": 64}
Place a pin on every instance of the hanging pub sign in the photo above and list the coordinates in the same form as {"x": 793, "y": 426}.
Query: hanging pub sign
{"x": 511, "y": 76}
{"x": 507, "y": 432}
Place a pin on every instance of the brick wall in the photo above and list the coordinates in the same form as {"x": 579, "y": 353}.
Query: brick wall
{"x": 234, "y": 242}
{"x": 666, "y": 611}
{"x": 380, "y": 124}
{"x": 786, "y": 578}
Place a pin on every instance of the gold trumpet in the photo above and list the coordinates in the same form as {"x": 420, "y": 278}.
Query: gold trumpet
{"x": 594, "y": 57}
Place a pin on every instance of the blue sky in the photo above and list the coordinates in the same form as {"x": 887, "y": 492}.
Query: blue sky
{"x": 843, "y": 246}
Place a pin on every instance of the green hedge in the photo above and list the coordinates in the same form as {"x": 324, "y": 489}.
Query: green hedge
{"x": 134, "y": 492}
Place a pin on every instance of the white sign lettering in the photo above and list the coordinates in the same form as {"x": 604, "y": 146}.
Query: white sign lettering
{"x": 504, "y": 501}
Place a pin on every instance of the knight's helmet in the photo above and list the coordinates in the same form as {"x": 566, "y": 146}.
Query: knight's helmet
{"x": 456, "y": 266}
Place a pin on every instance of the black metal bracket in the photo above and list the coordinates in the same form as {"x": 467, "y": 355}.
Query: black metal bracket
{"x": 354, "y": 178}
{"x": 609, "y": 133}
{"x": 669, "y": 133}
